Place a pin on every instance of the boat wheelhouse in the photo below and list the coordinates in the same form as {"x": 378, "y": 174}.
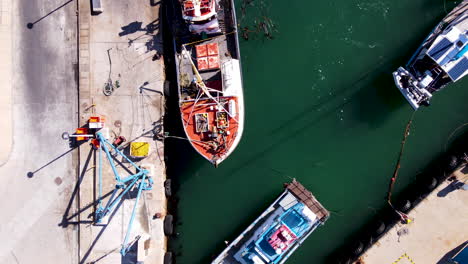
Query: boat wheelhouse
{"x": 210, "y": 83}
{"x": 439, "y": 61}
{"x": 198, "y": 10}
{"x": 279, "y": 231}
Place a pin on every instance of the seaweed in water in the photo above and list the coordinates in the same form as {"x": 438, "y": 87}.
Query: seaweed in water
{"x": 259, "y": 24}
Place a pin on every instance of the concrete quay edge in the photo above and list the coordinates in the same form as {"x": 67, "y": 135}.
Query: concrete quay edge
{"x": 87, "y": 98}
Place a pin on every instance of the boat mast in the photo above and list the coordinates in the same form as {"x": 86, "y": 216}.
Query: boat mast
{"x": 202, "y": 85}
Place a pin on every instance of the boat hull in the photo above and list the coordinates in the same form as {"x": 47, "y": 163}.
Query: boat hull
{"x": 206, "y": 75}
{"x": 295, "y": 210}
{"x": 215, "y": 147}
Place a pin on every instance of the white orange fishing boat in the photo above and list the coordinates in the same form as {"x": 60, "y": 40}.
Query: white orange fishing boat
{"x": 210, "y": 79}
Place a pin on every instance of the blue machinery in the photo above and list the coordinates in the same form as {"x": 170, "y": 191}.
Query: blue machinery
{"x": 140, "y": 179}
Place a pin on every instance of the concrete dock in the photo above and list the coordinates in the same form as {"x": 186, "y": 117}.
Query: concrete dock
{"x": 56, "y": 60}
{"x": 122, "y": 46}
{"x": 38, "y": 88}
{"x": 438, "y": 229}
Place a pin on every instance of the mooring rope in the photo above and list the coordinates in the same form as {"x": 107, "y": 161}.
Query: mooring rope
{"x": 397, "y": 167}
{"x": 203, "y": 40}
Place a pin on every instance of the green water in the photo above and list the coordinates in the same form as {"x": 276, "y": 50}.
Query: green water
{"x": 321, "y": 106}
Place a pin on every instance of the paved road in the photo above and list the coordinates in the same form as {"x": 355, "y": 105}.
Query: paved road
{"x": 44, "y": 106}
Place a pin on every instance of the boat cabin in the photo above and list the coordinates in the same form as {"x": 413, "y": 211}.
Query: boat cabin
{"x": 446, "y": 59}
{"x": 198, "y": 10}
{"x": 441, "y": 60}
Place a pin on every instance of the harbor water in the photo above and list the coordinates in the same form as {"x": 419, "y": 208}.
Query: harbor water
{"x": 321, "y": 107}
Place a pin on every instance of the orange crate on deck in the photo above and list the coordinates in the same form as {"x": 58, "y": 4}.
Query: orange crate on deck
{"x": 212, "y": 49}
{"x": 201, "y": 51}
{"x": 213, "y": 62}
{"x": 202, "y": 64}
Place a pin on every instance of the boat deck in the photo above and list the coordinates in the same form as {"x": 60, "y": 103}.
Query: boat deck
{"x": 307, "y": 198}
{"x": 456, "y": 12}
{"x": 202, "y": 138}
{"x": 212, "y": 77}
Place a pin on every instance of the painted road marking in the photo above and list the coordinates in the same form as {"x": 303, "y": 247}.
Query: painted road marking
{"x": 404, "y": 257}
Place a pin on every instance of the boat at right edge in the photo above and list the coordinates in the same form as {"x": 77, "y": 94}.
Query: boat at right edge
{"x": 439, "y": 61}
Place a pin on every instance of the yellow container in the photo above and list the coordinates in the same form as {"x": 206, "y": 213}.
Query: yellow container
{"x": 139, "y": 149}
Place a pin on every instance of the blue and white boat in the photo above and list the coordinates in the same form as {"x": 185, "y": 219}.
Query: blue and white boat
{"x": 278, "y": 231}
{"x": 439, "y": 61}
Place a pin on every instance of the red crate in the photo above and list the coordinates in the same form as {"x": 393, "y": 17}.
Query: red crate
{"x": 213, "y": 62}
{"x": 201, "y": 50}
{"x": 202, "y": 63}
{"x": 212, "y": 49}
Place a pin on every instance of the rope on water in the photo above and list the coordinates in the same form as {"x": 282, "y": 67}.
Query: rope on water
{"x": 397, "y": 167}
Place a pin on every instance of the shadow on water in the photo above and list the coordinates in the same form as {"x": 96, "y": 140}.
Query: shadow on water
{"x": 375, "y": 88}
{"x": 376, "y": 96}
{"x": 179, "y": 154}
{"x": 282, "y": 139}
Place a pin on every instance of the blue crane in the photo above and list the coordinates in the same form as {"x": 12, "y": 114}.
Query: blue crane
{"x": 139, "y": 180}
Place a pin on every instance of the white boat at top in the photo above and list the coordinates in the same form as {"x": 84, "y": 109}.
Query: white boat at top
{"x": 209, "y": 78}
{"x": 439, "y": 61}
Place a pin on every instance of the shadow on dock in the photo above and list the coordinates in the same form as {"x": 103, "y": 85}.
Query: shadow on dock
{"x": 446, "y": 258}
